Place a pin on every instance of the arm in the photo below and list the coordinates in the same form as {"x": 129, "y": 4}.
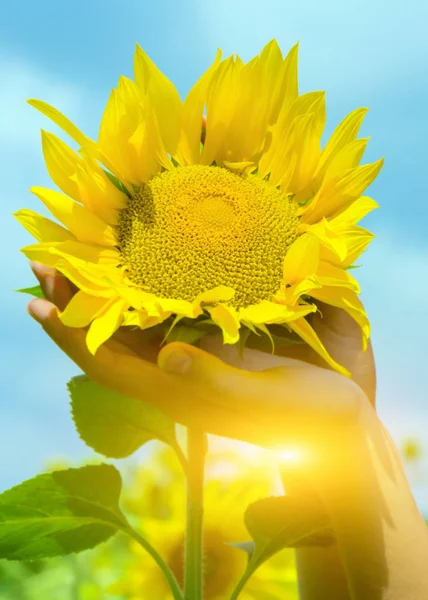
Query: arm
{"x": 352, "y": 464}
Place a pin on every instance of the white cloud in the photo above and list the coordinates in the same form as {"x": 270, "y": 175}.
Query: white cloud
{"x": 20, "y": 123}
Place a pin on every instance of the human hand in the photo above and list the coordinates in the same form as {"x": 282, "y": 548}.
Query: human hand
{"x": 293, "y": 398}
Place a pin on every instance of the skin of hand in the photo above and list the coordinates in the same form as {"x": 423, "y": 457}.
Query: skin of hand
{"x": 272, "y": 400}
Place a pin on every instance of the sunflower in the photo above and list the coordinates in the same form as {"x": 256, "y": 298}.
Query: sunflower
{"x": 237, "y": 219}
{"x": 157, "y": 503}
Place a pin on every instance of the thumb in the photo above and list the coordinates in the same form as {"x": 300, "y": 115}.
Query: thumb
{"x": 300, "y": 391}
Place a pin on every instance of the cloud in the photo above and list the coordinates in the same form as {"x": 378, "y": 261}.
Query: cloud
{"x": 19, "y": 123}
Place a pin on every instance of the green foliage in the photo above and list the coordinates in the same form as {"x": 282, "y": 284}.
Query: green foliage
{"x": 286, "y": 522}
{"x": 117, "y": 183}
{"x": 35, "y": 291}
{"x": 282, "y": 522}
{"x": 60, "y": 513}
{"x": 114, "y": 425}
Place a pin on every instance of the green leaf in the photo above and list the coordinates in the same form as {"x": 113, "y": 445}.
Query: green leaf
{"x": 60, "y": 513}
{"x": 117, "y": 183}
{"x": 186, "y": 334}
{"x": 32, "y": 291}
{"x": 282, "y": 522}
{"x": 286, "y": 522}
{"x": 114, "y": 425}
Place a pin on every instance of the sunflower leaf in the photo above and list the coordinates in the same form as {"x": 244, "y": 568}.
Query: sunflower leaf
{"x": 61, "y": 513}
{"x": 116, "y": 182}
{"x": 114, "y": 425}
{"x": 286, "y": 522}
{"x": 186, "y": 334}
{"x": 35, "y": 291}
{"x": 282, "y": 522}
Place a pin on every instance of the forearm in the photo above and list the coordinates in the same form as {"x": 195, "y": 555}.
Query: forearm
{"x": 321, "y": 574}
{"x": 381, "y": 536}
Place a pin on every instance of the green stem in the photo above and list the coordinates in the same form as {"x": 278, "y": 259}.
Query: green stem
{"x": 193, "y": 575}
{"x": 169, "y": 575}
{"x": 240, "y": 585}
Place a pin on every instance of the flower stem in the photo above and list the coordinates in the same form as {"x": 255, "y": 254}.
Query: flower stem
{"x": 169, "y": 576}
{"x": 193, "y": 576}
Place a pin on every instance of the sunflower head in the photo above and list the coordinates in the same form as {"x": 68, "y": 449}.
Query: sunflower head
{"x": 222, "y": 210}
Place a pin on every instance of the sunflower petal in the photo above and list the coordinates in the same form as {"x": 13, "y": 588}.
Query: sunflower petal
{"x": 336, "y": 195}
{"x": 222, "y": 98}
{"x": 354, "y": 213}
{"x": 59, "y": 119}
{"x": 61, "y": 162}
{"x": 302, "y": 259}
{"x": 43, "y": 229}
{"x": 349, "y": 301}
{"x": 162, "y": 95}
{"x": 270, "y": 312}
{"x": 345, "y": 133}
{"x": 82, "y": 309}
{"x": 191, "y": 118}
{"x": 308, "y": 335}
{"x": 226, "y": 317}
{"x": 86, "y": 226}
{"x": 105, "y": 325}
{"x": 334, "y": 276}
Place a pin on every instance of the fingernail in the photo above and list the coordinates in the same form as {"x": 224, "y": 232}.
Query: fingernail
{"x": 177, "y": 362}
{"x": 40, "y": 271}
{"x": 39, "y": 309}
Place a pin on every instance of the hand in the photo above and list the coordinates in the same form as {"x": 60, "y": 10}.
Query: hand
{"x": 381, "y": 537}
{"x": 195, "y": 387}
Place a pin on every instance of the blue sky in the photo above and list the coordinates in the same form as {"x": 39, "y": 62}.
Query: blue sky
{"x": 70, "y": 54}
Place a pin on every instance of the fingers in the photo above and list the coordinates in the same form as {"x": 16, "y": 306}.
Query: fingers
{"x": 296, "y": 400}
{"x": 341, "y": 336}
{"x": 56, "y": 288}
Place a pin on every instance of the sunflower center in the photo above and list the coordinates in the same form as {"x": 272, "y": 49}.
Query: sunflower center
{"x": 193, "y": 228}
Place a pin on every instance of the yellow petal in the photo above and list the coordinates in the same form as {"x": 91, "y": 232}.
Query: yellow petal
{"x": 347, "y": 158}
{"x": 119, "y": 122}
{"x": 61, "y": 162}
{"x": 86, "y": 226}
{"x": 346, "y": 132}
{"x": 308, "y": 335}
{"x": 98, "y": 193}
{"x": 331, "y": 275}
{"x": 354, "y": 213}
{"x": 221, "y": 293}
{"x": 43, "y": 229}
{"x": 333, "y": 197}
{"x": 80, "y": 280}
{"x": 191, "y": 117}
{"x": 291, "y": 121}
{"x": 226, "y": 317}
{"x": 356, "y": 239}
{"x": 302, "y": 259}
{"x": 287, "y": 84}
{"x": 82, "y": 309}
{"x": 290, "y": 295}
{"x": 349, "y": 301}
{"x": 104, "y": 326}
{"x": 90, "y": 255}
{"x": 59, "y": 119}
{"x": 329, "y": 238}
{"x": 271, "y": 312}
{"x": 306, "y": 131}
{"x": 162, "y": 95}
{"x": 222, "y": 98}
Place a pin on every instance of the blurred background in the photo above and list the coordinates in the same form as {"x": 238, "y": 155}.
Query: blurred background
{"x": 369, "y": 53}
